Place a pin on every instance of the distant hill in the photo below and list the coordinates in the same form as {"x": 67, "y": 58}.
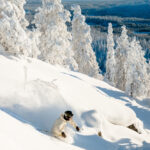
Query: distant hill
{"x": 138, "y": 11}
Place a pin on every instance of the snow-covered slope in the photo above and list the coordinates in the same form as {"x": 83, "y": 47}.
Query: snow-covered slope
{"x": 15, "y": 135}
{"x": 33, "y": 94}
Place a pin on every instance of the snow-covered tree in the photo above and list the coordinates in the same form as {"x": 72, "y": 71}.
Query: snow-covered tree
{"x": 13, "y": 36}
{"x": 137, "y": 80}
{"x": 81, "y": 43}
{"x": 131, "y": 68}
{"x": 55, "y": 40}
{"x": 122, "y": 48}
{"x": 19, "y": 11}
{"x": 1, "y": 49}
{"x": 148, "y": 72}
{"x": 110, "y": 63}
{"x": 34, "y": 38}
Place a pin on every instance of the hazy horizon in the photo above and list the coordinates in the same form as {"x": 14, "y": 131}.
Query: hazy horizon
{"x": 132, "y": 1}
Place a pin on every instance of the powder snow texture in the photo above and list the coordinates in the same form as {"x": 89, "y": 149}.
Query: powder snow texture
{"x": 36, "y": 93}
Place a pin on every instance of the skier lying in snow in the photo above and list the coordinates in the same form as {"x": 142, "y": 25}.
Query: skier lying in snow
{"x": 58, "y": 129}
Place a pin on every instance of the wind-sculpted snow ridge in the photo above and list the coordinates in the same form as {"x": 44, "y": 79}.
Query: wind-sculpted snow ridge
{"x": 34, "y": 94}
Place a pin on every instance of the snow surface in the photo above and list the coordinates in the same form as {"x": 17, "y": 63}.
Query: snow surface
{"x": 33, "y": 94}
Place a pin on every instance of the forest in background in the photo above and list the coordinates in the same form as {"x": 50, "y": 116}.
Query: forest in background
{"x": 100, "y": 13}
{"x": 135, "y": 15}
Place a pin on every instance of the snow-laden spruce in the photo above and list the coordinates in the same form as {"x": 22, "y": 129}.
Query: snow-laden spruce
{"x": 55, "y": 40}
{"x": 111, "y": 62}
{"x": 132, "y": 76}
{"x": 13, "y": 36}
{"x": 122, "y": 48}
{"x": 19, "y": 11}
{"x": 126, "y": 67}
{"x": 137, "y": 80}
{"x": 81, "y": 43}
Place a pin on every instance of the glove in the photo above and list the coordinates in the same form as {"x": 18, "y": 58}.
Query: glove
{"x": 63, "y": 134}
{"x": 77, "y": 128}
{"x": 99, "y": 133}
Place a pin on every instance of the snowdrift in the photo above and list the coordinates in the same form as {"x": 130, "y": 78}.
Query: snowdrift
{"x": 36, "y": 93}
